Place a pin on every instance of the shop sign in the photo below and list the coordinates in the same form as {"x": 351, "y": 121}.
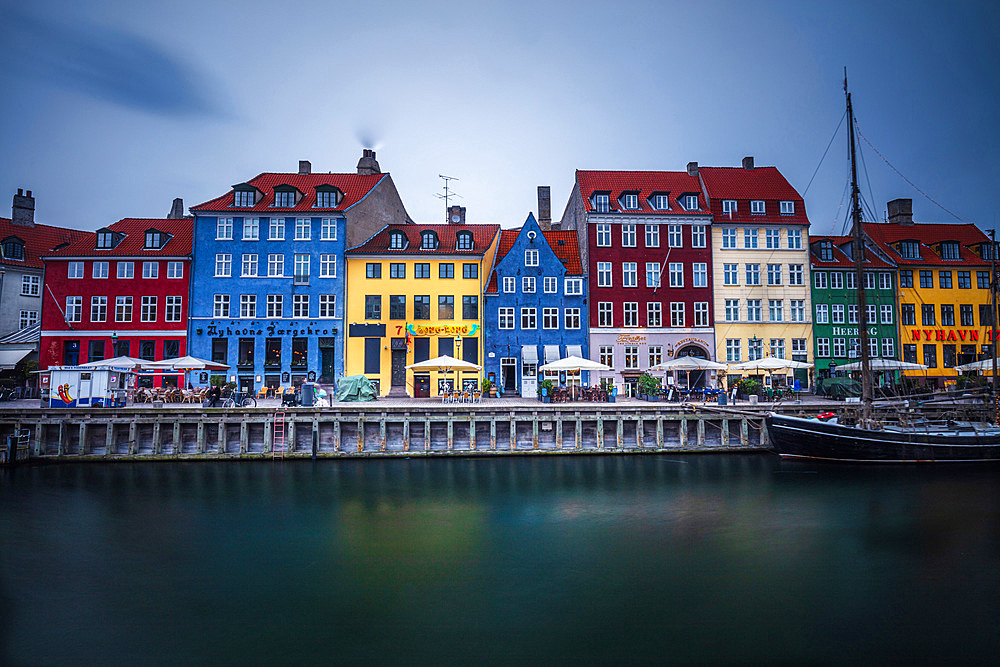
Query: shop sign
{"x": 944, "y": 335}
{"x": 441, "y": 330}
{"x": 270, "y": 329}
{"x": 628, "y": 339}
{"x": 852, "y": 331}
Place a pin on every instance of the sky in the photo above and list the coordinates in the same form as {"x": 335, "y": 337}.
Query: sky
{"x": 111, "y": 109}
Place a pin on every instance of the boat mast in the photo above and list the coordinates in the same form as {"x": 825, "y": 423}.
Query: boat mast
{"x": 859, "y": 258}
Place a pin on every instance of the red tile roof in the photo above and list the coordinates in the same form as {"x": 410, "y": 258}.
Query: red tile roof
{"x": 643, "y": 183}
{"x": 568, "y": 252}
{"x": 133, "y": 245}
{"x": 38, "y": 240}
{"x": 744, "y": 185}
{"x": 841, "y": 260}
{"x": 928, "y": 234}
{"x": 354, "y": 186}
{"x": 482, "y": 236}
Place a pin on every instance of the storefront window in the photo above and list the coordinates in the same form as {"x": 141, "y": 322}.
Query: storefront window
{"x": 300, "y": 352}
{"x": 272, "y": 353}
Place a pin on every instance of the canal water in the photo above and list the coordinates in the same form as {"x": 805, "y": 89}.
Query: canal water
{"x": 704, "y": 559}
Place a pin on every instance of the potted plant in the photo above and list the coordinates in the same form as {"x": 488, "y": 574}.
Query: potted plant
{"x": 546, "y": 387}
{"x": 649, "y": 386}
{"x": 486, "y": 387}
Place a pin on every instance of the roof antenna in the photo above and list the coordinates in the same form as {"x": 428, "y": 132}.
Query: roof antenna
{"x": 447, "y": 195}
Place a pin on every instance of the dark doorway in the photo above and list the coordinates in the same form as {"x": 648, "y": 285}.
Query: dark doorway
{"x": 695, "y": 378}
{"x": 399, "y": 368}
{"x": 421, "y": 386}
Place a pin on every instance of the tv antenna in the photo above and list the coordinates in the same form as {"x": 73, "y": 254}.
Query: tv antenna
{"x": 447, "y": 194}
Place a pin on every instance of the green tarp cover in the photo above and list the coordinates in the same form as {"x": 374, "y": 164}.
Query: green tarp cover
{"x": 840, "y": 387}
{"x": 356, "y": 388}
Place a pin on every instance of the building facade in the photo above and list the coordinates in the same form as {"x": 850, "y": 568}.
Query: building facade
{"x": 646, "y": 247}
{"x": 414, "y": 293}
{"x": 120, "y": 291}
{"x": 835, "y": 303}
{"x": 535, "y": 308}
{"x": 760, "y": 245}
{"x": 269, "y": 271}
{"x": 945, "y": 317}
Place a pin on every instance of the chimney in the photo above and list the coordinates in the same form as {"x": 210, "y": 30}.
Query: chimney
{"x": 901, "y": 211}
{"x": 456, "y": 215}
{"x": 23, "y": 210}
{"x": 176, "y": 210}
{"x": 305, "y": 167}
{"x": 545, "y": 207}
{"x": 367, "y": 164}
{"x": 748, "y": 162}
{"x": 693, "y": 169}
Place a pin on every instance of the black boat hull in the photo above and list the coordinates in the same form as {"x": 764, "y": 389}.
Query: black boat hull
{"x": 794, "y": 437}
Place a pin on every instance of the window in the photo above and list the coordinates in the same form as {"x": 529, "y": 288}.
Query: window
{"x": 100, "y": 270}
{"x": 964, "y": 312}
{"x": 397, "y": 307}
{"x": 422, "y": 270}
{"x": 869, "y": 280}
{"x": 655, "y": 355}
{"x": 850, "y": 280}
{"x": 604, "y": 274}
{"x": 422, "y": 307}
{"x": 909, "y": 249}
{"x": 550, "y": 284}
{"x": 654, "y": 314}
{"x": 249, "y": 265}
{"x": 888, "y": 348}
{"x": 964, "y": 279}
{"x": 602, "y": 203}
{"x": 774, "y": 274}
{"x": 174, "y": 270}
{"x": 839, "y": 348}
{"x": 699, "y": 274}
{"x": 28, "y": 317}
{"x": 837, "y": 313}
{"x": 630, "y": 276}
{"x": 272, "y": 353}
{"x": 774, "y": 310}
{"x": 528, "y": 284}
{"x": 172, "y": 312}
{"x": 753, "y": 274}
{"x": 701, "y": 313}
{"x": 772, "y": 238}
{"x": 301, "y": 269}
{"x": 819, "y": 278}
{"x": 778, "y": 348}
{"x": 98, "y": 308}
{"x": 944, "y": 279}
{"x": 126, "y": 270}
{"x": 251, "y": 229}
{"x": 795, "y": 239}
{"x": 730, "y": 274}
{"x": 757, "y": 206}
{"x": 947, "y": 315}
{"x": 852, "y": 313}
{"x": 754, "y": 311}
{"x": 826, "y": 251}
{"x": 373, "y": 270}
{"x": 733, "y": 349}
{"x": 373, "y": 306}
{"x": 910, "y": 353}
{"x": 652, "y": 274}
{"x": 854, "y": 348}
{"x": 982, "y": 279}
{"x": 276, "y": 265}
{"x": 573, "y": 286}
{"x": 506, "y": 318}
{"x": 837, "y": 280}
{"x": 822, "y": 347}
{"x": 463, "y": 241}
{"x": 886, "y": 312}
{"x": 300, "y": 352}
{"x": 985, "y": 315}
{"x": 729, "y": 206}
{"x": 528, "y": 317}
{"x": 531, "y": 257}
{"x": 470, "y": 307}
{"x": 729, "y": 238}
{"x": 661, "y": 202}
{"x": 446, "y": 270}
{"x": 732, "y": 310}
{"x": 675, "y": 238}
{"x": 276, "y": 229}
{"x": 676, "y": 270}
{"x": 607, "y": 355}
{"x": 328, "y": 267}
{"x": 397, "y": 240}
{"x": 550, "y": 318}
{"x": 303, "y": 230}
{"x": 603, "y": 235}
{"x": 930, "y": 356}
{"x": 123, "y": 309}
{"x": 147, "y": 312}
{"x": 795, "y": 275}
{"x": 927, "y": 314}
{"x": 223, "y": 265}
{"x": 105, "y": 240}
{"x": 275, "y": 305}
{"x": 630, "y": 314}
{"x": 677, "y": 314}
{"x": 907, "y": 314}
{"x": 631, "y": 200}
{"x": 885, "y": 280}
{"x": 74, "y": 270}
{"x": 631, "y": 356}
{"x": 446, "y": 307}
{"x": 797, "y": 310}
{"x": 604, "y": 314}
{"x": 428, "y": 240}
{"x": 822, "y": 313}
{"x": 628, "y": 236}
{"x": 690, "y": 202}
{"x": 652, "y": 236}
{"x": 244, "y": 198}
{"x": 949, "y": 250}
{"x": 328, "y": 227}
{"x": 755, "y": 349}
{"x": 13, "y": 248}
{"x": 300, "y": 305}
{"x": 224, "y": 229}
{"x": 787, "y": 208}
{"x": 699, "y": 238}
{"x": 470, "y": 271}
{"x": 870, "y": 314}
{"x": 397, "y": 270}
{"x": 906, "y": 278}
{"x": 509, "y": 284}
{"x": 572, "y": 318}
{"x": 248, "y": 305}
{"x": 284, "y": 198}
{"x": 750, "y": 237}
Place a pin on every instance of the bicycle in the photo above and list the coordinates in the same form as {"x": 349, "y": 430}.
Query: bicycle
{"x": 239, "y": 399}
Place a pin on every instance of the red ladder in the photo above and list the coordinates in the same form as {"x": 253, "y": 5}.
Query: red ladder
{"x": 278, "y": 435}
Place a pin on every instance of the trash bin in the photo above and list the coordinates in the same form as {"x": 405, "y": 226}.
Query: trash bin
{"x": 722, "y": 398}
{"x": 308, "y": 394}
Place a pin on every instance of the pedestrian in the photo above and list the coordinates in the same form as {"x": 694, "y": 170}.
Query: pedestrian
{"x": 214, "y": 394}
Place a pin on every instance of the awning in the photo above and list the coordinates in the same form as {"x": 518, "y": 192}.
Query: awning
{"x": 529, "y": 354}
{"x": 9, "y": 358}
{"x": 551, "y": 353}
{"x": 574, "y": 351}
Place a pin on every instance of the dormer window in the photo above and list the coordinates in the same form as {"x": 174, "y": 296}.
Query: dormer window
{"x": 463, "y": 241}
{"x": 13, "y": 248}
{"x": 660, "y": 202}
{"x": 155, "y": 239}
{"x": 757, "y": 206}
{"x": 602, "y": 202}
{"x": 397, "y": 240}
{"x": 690, "y": 202}
{"x": 285, "y": 196}
{"x": 987, "y": 251}
{"x": 428, "y": 240}
{"x": 327, "y": 197}
{"x": 630, "y": 201}
{"x": 787, "y": 208}
{"x": 244, "y": 197}
{"x": 105, "y": 239}
{"x": 729, "y": 206}
{"x": 909, "y": 249}
{"x": 826, "y": 251}
{"x": 949, "y": 250}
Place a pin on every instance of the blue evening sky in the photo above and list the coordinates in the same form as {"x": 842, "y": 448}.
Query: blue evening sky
{"x": 111, "y": 109}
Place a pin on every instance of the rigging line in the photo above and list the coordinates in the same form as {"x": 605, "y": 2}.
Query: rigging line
{"x": 824, "y": 153}
{"x": 864, "y": 166}
{"x": 912, "y": 185}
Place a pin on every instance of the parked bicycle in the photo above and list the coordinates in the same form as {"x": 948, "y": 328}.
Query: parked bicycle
{"x": 239, "y": 399}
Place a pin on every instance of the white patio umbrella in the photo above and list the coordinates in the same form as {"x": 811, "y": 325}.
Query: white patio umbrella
{"x": 984, "y": 365}
{"x": 185, "y": 364}
{"x": 769, "y": 364}
{"x": 444, "y": 364}
{"x": 573, "y": 363}
{"x": 120, "y": 362}
{"x": 880, "y": 364}
{"x": 688, "y": 364}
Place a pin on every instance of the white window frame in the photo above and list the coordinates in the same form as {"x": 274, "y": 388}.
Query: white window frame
{"x": 823, "y": 347}
{"x": 652, "y": 274}
{"x": 531, "y": 257}
{"x": 223, "y": 265}
{"x": 772, "y": 239}
{"x": 731, "y": 274}
{"x": 751, "y": 238}
{"x": 730, "y": 238}
{"x": 699, "y": 276}
{"x": 505, "y": 318}
{"x": 328, "y": 229}
{"x": 172, "y": 308}
{"x": 98, "y": 309}
{"x": 628, "y": 235}
{"x": 676, "y": 274}
{"x": 794, "y": 237}
{"x": 251, "y": 229}
{"x": 223, "y": 229}
{"x": 276, "y": 265}
{"x": 652, "y": 236}
{"x": 248, "y": 265}
{"x": 175, "y": 270}
{"x": 796, "y": 274}
{"x": 303, "y": 229}
{"x": 630, "y": 274}
{"x": 328, "y": 265}
{"x": 123, "y": 309}
{"x": 604, "y": 278}
{"x": 654, "y": 314}
{"x": 529, "y": 319}
{"x": 328, "y": 306}
{"x": 220, "y": 306}
{"x": 604, "y": 235}
{"x": 75, "y": 270}
{"x": 701, "y": 313}
{"x": 276, "y": 228}
{"x": 729, "y": 206}
{"x": 678, "y": 310}
{"x": 509, "y": 284}
{"x": 571, "y": 318}
{"x": 787, "y": 207}
{"x": 699, "y": 236}
{"x": 528, "y": 284}
{"x": 573, "y": 286}
{"x": 550, "y": 318}
{"x": 100, "y": 270}
{"x": 300, "y": 306}
{"x": 757, "y": 207}
{"x": 148, "y": 309}
{"x": 732, "y": 310}
{"x": 605, "y": 314}
{"x": 550, "y": 284}
{"x": 675, "y": 236}
{"x": 275, "y": 306}
{"x": 125, "y": 270}
{"x": 630, "y": 313}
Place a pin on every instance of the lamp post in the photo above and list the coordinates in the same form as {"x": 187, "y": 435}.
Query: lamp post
{"x": 114, "y": 343}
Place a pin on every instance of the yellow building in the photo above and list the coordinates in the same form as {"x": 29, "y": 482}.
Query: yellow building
{"x": 414, "y": 292}
{"x": 945, "y": 318}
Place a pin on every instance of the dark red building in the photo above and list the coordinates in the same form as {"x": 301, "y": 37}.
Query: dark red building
{"x": 120, "y": 291}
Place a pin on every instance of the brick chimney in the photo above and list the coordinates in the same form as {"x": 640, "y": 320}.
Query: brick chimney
{"x": 545, "y": 207}
{"x": 367, "y": 164}
{"x": 748, "y": 162}
{"x": 901, "y": 211}
{"x": 176, "y": 210}
{"x": 693, "y": 169}
{"x": 23, "y": 210}
{"x": 305, "y": 167}
{"x": 456, "y": 212}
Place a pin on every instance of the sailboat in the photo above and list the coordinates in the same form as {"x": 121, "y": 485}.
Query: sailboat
{"x": 868, "y": 441}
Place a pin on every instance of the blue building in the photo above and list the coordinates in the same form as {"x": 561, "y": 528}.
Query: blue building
{"x": 535, "y": 307}
{"x": 268, "y": 277}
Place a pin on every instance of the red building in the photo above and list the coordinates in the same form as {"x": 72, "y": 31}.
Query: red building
{"x": 120, "y": 291}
